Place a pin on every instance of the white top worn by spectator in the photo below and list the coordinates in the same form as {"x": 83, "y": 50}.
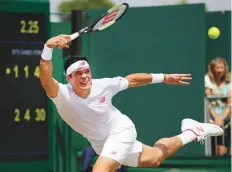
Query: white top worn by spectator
{"x": 221, "y": 90}
{"x": 218, "y": 91}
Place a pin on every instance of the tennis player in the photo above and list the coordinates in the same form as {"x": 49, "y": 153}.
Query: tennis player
{"x": 85, "y": 105}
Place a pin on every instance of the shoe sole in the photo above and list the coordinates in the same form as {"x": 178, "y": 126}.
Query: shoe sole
{"x": 187, "y": 120}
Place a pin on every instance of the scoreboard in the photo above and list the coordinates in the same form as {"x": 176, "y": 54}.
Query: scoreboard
{"x": 23, "y": 102}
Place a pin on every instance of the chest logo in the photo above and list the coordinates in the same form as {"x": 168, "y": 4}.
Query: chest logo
{"x": 102, "y": 100}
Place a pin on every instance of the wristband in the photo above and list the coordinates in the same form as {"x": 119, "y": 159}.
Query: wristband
{"x": 47, "y": 53}
{"x": 157, "y": 78}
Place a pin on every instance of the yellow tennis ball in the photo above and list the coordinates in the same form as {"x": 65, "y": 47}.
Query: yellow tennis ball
{"x": 213, "y": 32}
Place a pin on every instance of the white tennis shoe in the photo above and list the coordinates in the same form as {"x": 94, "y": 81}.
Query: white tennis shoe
{"x": 201, "y": 130}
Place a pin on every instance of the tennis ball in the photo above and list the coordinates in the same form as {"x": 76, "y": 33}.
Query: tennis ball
{"x": 213, "y": 32}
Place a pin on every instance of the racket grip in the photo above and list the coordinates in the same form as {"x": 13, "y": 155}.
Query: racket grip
{"x": 74, "y": 36}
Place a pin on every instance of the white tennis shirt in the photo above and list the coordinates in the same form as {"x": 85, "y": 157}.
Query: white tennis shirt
{"x": 94, "y": 117}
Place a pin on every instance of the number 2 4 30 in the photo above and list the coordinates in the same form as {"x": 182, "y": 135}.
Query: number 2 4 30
{"x": 40, "y": 115}
{"x": 29, "y": 26}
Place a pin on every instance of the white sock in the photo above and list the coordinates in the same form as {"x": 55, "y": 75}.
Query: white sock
{"x": 187, "y": 137}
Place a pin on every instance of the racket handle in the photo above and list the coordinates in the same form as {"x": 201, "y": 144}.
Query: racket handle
{"x": 74, "y": 36}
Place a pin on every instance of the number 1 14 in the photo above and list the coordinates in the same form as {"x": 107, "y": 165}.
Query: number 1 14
{"x": 26, "y": 71}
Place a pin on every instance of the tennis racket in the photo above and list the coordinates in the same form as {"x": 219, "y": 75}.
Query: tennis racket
{"x": 103, "y": 22}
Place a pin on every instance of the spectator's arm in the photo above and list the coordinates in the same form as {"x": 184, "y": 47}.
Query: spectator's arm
{"x": 212, "y": 112}
{"x": 208, "y": 86}
{"x": 228, "y": 107}
{"x": 208, "y": 92}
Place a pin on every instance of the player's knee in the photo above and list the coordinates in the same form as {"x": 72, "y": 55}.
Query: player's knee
{"x": 103, "y": 169}
{"x": 98, "y": 170}
{"x": 163, "y": 150}
{"x": 155, "y": 162}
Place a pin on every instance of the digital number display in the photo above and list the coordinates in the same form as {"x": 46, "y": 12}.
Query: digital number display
{"x": 22, "y": 27}
{"x": 23, "y": 103}
{"x": 30, "y": 27}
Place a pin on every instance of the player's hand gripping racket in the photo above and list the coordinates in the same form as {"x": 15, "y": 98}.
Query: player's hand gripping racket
{"x": 103, "y": 22}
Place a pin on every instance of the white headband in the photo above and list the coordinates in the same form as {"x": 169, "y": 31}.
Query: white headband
{"x": 76, "y": 65}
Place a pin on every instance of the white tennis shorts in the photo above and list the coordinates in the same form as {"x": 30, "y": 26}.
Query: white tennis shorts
{"x": 121, "y": 147}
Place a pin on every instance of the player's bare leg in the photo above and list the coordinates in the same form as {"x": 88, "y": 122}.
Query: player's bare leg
{"x": 163, "y": 148}
{"x": 104, "y": 164}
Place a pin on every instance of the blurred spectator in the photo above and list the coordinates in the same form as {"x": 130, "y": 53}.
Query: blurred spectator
{"x": 87, "y": 158}
{"x": 217, "y": 84}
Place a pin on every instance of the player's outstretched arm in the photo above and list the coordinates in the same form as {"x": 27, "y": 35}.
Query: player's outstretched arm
{"x": 141, "y": 79}
{"x": 49, "y": 84}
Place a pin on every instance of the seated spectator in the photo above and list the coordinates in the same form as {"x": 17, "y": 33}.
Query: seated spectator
{"x": 87, "y": 158}
{"x": 217, "y": 83}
